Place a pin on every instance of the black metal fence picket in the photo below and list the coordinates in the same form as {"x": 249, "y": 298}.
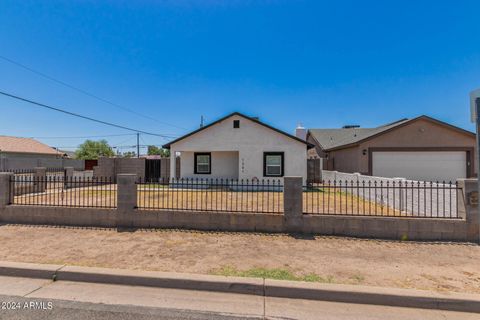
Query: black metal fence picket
{"x": 219, "y": 195}
{"x": 378, "y": 198}
{"x": 60, "y": 191}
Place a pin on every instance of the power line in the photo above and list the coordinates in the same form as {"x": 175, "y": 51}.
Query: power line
{"x": 86, "y": 137}
{"x": 98, "y": 136}
{"x": 116, "y": 147}
{"x": 18, "y": 64}
{"x": 80, "y": 116}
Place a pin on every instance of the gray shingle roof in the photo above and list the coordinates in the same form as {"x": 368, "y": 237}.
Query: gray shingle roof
{"x": 334, "y": 138}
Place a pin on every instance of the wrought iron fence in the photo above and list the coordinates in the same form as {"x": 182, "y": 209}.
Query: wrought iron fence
{"x": 20, "y": 171}
{"x": 60, "y": 191}
{"x": 220, "y": 195}
{"x": 49, "y": 171}
{"x": 391, "y": 198}
{"x": 57, "y": 173}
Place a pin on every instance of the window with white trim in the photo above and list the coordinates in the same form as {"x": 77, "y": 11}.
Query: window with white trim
{"x": 203, "y": 163}
{"x": 273, "y": 164}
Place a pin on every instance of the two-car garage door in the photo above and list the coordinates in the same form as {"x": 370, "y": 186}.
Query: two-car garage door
{"x": 420, "y": 165}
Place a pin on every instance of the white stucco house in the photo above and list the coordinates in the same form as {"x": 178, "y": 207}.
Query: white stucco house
{"x": 239, "y": 147}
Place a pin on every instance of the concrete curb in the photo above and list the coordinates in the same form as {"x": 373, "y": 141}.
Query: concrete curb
{"x": 162, "y": 280}
{"x": 28, "y": 270}
{"x": 252, "y": 286}
{"x": 409, "y": 298}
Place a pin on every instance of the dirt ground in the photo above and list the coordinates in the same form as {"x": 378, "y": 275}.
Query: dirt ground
{"x": 431, "y": 266}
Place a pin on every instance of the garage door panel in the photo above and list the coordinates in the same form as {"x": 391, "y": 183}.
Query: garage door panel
{"x": 415, "y": 165}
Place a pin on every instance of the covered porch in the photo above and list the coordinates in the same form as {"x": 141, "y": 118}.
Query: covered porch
{"x": 207, "y": 165}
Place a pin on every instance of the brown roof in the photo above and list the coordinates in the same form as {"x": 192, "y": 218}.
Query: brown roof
{"x": 334, "y": 139}
{"x": 24, "y": 145}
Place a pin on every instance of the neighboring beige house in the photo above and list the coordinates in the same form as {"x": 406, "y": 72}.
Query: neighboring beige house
{"x": 239, "y": 147}
{"x": 27, "y": 153}
{"x": 16, "y": 147}
{"x": 422, "y": 148}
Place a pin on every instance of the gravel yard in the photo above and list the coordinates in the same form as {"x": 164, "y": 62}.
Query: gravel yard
{"x": 432, "y": 266}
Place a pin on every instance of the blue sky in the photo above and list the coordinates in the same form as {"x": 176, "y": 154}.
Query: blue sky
{"x": 321, "y": 63}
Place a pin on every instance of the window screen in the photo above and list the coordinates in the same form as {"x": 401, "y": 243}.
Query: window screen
{"x": 273, "y": 164}
{"x": 203, "y": 163}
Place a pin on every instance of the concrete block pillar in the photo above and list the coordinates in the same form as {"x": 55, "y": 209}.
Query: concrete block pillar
{"x": 68, "y": 175}
{"x": 462, "y": 206}
{"x": 40, "y": 179}
{"x": 126, "y": 199}
{"x": 6, "y": 193}
{"x": 69, "y": 172}
{"x": 293, "y": 203}
{"x": 472, "y": 213}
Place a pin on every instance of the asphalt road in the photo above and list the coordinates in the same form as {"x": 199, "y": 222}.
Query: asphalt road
{"x": 83, "y": 310}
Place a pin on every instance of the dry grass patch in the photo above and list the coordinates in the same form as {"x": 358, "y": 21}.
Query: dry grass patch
{"x": 92, "y": 196}
{"x": 316, "y": 201}
{"x": 220, "y": 199}
{"x": 275, "y": 273}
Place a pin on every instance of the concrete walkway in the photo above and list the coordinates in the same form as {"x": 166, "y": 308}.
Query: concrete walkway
{"x": 75, "y": 300}
{"x": 256, "y": 287}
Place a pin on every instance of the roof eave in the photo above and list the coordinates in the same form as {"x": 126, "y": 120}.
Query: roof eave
{"x": 168, "y": 145}
{"x": 399, "y": 125}
{"x": 32, "y": 152}
{"x": 345, "y": 146}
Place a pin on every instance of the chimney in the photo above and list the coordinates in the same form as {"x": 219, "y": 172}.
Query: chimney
{"x": 301, "y": 132}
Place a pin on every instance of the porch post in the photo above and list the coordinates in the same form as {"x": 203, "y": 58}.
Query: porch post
{"x": 173, "y": 164}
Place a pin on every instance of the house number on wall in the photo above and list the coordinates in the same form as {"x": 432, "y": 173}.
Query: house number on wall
{"x": 243, "y": 165}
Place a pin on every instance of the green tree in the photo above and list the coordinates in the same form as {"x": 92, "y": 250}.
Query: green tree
{"x": 153, "y": 150}
{"x": 91, "y": 150}
{"x": 129, "y": 154}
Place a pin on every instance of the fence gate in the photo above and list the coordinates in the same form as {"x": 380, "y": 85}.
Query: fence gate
{"x": 153, "y": 170}
{"x": 314, "y": 170}
{"x": 89, "y": 164}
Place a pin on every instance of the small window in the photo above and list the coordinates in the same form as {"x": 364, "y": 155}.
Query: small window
{"x": 236, "y": 124}
{"x": 273, "y": 164}
{"x": 203, "y": 163}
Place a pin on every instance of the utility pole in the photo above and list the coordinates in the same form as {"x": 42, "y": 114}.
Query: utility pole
{"x": 475, "y": 117}
{"x": 201, "y": 121}
{"x": 477, "y": 109}
{"x": 138, "y": 144}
